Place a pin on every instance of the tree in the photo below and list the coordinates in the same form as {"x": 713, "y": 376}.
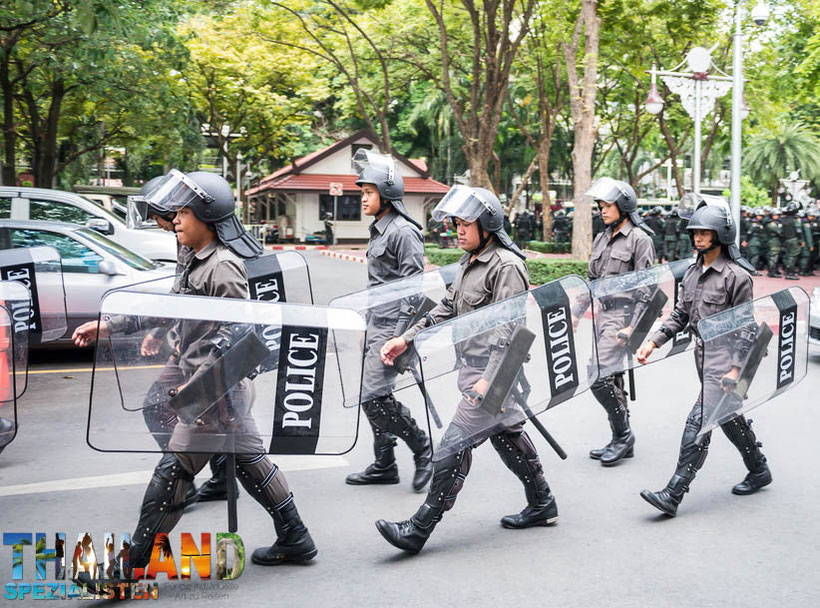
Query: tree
{"x": 582, "y": 93}
{"x": 774, "y": 153}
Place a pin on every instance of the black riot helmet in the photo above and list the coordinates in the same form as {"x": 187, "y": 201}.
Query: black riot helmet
{"x": 210, "y": 198}
{"x": 471, "y": 204}
{"x": 382, "y": 171}
{"x": 792, "y": 208}
{"x": 716, "y": 216}
{"x": 621, "y": 194}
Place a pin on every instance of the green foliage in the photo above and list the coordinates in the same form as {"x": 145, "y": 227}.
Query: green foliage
{"x": 774, "y": 153}
{"x": 544, "y": 270}
{"x": 750, "y": 194}
{"x": 443, "y": 257}
{"x": 542, "y": 247}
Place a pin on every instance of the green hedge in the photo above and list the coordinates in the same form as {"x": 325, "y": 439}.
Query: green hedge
{"x": 541, "y": 270}
{"x": 542, "y": 247}
{"x": 544, "y": 270}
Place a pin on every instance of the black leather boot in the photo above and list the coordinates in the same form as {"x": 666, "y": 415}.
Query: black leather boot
{"x": 611, "y": 395}
{"x": 518, "y": 453}
{"x": 384, "y": 469}
{"x": 216, "y": 488}
{"x": 293, "y": 541}
{"x": 668, "y": 499}
{"x": 740, "y": 433}
{"x": 6, "y": 432}
{"x": 411, "y": 534}
{"x": 423, "y": 459}
{"x": 692, "y": 455}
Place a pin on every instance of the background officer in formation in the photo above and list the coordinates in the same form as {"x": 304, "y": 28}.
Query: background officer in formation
{"x": 774, "y": 235}
{"x": 492, "y": 269}
{"x": 654, "y": 219}
{"x": 793, "y": 240}
{"x": 670, "y": 236}
{"x": 395, "y": 251}
{"x": 717, "y": 281}
{"x": 204, "y": 219}
{"x": 622, "y": 247}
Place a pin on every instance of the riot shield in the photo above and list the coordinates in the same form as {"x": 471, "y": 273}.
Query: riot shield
{"x": 8, "y": 397}
{"x": 199, "y": 389}
{"x": 40, "y": 270}
{"x": 629, "y": 308}
{"x": 389, "y": 310}
{"x": 752, "y": 353}
{"x": 524, "y": 348}
{"x": 15, "y": 300}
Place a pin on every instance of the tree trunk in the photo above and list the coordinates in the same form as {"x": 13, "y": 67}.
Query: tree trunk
{"x": 47, "y": 163}
{"x": 544, "y": 176}
{"x": 582, "y": 105}
{"x": 9, "y": 177}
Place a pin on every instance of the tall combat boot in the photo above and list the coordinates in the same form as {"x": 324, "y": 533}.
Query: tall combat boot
{"x": 518, "y": 453}
{"x": 216, "y": 488}
{"x": 690, "y": 460}
{"x": 293, "y": 541}
{"x": 611, "y": 395}
{"x": 384, "y": 469}
{"x": 423, "y": 459}
{"x": 740, "y": 433}
{"x": 448, "y": 478}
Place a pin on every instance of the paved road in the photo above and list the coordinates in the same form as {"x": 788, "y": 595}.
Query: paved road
{"x": 608, "y": 549}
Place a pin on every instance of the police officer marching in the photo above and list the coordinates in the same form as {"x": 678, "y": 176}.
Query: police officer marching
{"x": 625, "y": 246}
{"x": 395, "y": 251}
{"x": 792, "y": 240}
{"x": 717, "y": 281}
{"x": 491, "y": 270}
{"x": 204, "y": 220}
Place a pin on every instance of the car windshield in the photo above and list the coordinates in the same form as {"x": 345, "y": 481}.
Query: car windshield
{"x": 134, "y": 260}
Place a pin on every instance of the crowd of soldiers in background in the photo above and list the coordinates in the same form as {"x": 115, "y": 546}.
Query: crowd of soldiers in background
{"x": 771, "y": 238}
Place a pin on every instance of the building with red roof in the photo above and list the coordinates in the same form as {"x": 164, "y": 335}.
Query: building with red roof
{"x": 297, "y": 196}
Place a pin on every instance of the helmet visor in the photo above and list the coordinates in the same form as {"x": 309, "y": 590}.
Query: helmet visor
{"x": 175, "y": 191}
{"x": 363, "y": 159}
{"x": 462, "y": 202}
{"x": 606, "y": 189}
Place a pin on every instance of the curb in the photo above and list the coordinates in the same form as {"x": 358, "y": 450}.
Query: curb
{"x": 344, "y": 256}
{"x": 296, "y": 247}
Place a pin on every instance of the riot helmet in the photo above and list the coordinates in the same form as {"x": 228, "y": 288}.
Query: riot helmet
{"x": 139, "y": 212}
{"x": 716, "y": 216}
{"x": 382, "y": 171}
{"x": 211, "y": 200}
{"x": 792, "y": 208}
{"x": 621, "y": 194}
{"x": 470, "y": 204}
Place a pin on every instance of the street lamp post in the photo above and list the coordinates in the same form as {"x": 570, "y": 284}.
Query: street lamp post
{"x": 698, "y": 97}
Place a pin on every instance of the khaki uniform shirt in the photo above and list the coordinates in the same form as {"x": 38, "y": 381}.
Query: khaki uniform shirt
{"x": 395, "y": 251}
{"x": 629, "y": 249}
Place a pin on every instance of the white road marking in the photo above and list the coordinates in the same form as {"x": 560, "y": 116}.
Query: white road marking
{"x": 286, "y": 463}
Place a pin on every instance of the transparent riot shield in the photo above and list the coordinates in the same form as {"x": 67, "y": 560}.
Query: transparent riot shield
{"x": 629, "y": 308}
{"x": 8, "y": 397}
{"x": 200, "y": 389}
{"x": 15, "y": 300}
{"x": 524, "y": 352}
{"x": 390, "y": 309}
{"x": 752, "y": 353}
{"x": 40, "y": 270}
{"x": 281, "y": 276}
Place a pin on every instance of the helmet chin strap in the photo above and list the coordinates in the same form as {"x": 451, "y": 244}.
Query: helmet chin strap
{"x": 702, "y": 250}
{"x": 482, "y": 243}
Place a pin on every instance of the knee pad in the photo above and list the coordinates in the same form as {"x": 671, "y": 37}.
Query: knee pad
{"x": 263, "y": 480}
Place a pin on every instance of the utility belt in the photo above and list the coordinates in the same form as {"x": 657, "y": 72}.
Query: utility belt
{"x": 608, "y": 304}
{"x": 470, "y": 361}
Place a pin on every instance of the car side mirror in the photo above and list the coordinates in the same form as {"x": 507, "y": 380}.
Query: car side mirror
{"x": 108, "y": 268}
{"x": 100, "y": 225}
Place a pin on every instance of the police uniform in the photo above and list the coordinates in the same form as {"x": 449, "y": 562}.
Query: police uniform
{"x": 807, "y": 251}
{"x": 792, "y": 239}
{"x": 703, "y": 292}
{"x": 396, "y": 250}
{"x": 494, "y": 273}
{"x": 774, "y": 232}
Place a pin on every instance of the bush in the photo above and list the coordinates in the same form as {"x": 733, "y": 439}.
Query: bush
{"x": 542, "y": 247}
{"x": 545, "y": 270}
{"x": 443, "y": 257}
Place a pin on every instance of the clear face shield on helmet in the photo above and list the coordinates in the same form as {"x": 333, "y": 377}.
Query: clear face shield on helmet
{"x": 174, "y": 192}
{"x": 363, "y": 159}
{"x": 691, "y": 201}
{"x": 606, "y": 189}
{"x": 462, "y": 202}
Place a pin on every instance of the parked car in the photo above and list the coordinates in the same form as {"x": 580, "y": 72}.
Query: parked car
{"x": 58, "y": 206}
{"x": 814, "y": 318}
{"x": 92, "y": 264}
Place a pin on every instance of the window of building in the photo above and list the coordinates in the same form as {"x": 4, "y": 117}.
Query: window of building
{"x": 349, "y": 208}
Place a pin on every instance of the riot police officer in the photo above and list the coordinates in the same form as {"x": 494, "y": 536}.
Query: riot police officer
{"x": 814, "y": 228}
{"x": 396, "y": 250}
{"x": 656, "y": 223}
{"x": 204, "y": 220}
{"x": 625, "y": 245}
{"x": 774, "y": 232}
{"x": 717, "y": 281}
{"x": 792, "y": 240}
{"x": 492, "y": 269}
{"x": 328, "y": 228}
{"x": 807, "y": 251}
{"x": 754, "y": 242}
{"x": 670, "y": 236}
